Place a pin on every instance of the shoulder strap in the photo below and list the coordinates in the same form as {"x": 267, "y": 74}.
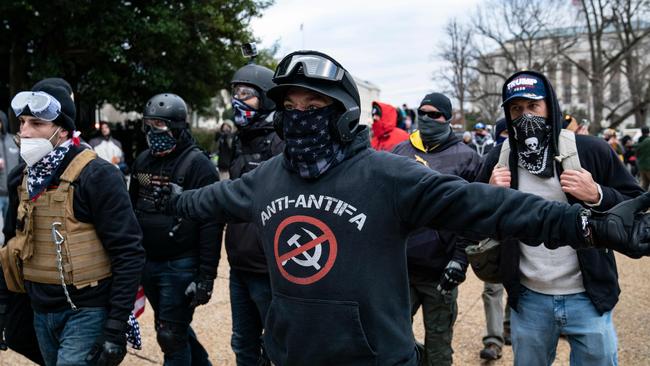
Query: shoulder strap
{"x": 568, "y": 151}
{"x": 75, "y": 167}
{"x": 183, "y": 165}
{"x": 504, "y": 155}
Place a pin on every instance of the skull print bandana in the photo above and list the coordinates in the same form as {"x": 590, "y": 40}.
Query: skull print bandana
{"x": 533, "y": 135}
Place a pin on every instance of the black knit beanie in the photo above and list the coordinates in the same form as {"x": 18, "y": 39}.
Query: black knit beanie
{"x": 68, "y": 110}
{"x": 440, "y": 101}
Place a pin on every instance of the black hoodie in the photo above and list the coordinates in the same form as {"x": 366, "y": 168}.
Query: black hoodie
{"x": 598, "y": 266}
{"x": 429, "y": 251}
{"x": 252, "y": 146}
{"x": 335, "y": 246}
{"x": 189, "y": 239}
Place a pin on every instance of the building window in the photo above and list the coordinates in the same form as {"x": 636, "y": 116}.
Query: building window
{"x": 583, "y": 83}
{"x": 566, "y": 83}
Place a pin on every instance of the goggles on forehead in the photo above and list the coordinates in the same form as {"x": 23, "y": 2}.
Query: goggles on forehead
{"x": 243, "y": 92}
{"x": 312, "y": 65}
{"x": 41, "y": 105}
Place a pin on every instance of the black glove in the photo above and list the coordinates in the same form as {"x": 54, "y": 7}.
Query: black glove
{"x": 624, "y": 228}
{"x": 110, "y": 347}
{"x": 164, "y": 196}
{"x": 200, "y": 291}
{"x": 453, "y": 275}
{"x": 3, "y": 321}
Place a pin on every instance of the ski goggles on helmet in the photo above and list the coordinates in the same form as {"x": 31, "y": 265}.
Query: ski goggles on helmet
{"x": 244, "y": 92}
{"x": 312, "y": 65}
{"x": 41, "y": 105}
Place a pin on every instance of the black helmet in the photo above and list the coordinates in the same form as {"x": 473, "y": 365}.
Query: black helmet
{"x": 258, "y": 77}
{"x": 168, "y": 107}
{"x": 320, "y": 73}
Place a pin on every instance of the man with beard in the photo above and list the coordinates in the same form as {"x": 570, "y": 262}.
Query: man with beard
{"x": 182, "y": 255}
{"x": 255, "y": 142}
{"x": 436, "y": 259}
{"x": 562, "y": 291}
{"x": 106, "y": 146}
{"x": 334, "y": 217}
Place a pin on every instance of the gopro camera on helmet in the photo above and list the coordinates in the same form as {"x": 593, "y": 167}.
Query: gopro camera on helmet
{"x": 249, "y": 50}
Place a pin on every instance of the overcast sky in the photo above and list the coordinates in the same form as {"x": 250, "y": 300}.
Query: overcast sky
{"x": 389, "y": 43}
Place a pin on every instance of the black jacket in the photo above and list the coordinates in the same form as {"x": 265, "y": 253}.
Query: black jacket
{"x": 252, "y": 146}
{"x": 598, "y": 266}
{"x": 429, "y": 251}
{"x": 166, "y": 237}
{"x": 344, "y": 299}
{"x": 100, "y": 198}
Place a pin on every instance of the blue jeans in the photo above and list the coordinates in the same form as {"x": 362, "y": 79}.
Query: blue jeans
{"x": 250, "y": 298}
{"x": 164, "y": 285}
{"x": 540, "y": 319}
{"x": 4, "y": 206}
{"x": 66, "y": 337}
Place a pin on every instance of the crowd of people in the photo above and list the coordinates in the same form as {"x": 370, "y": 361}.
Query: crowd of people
{"x": 333, "y": 231}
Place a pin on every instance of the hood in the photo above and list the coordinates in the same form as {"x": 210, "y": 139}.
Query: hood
{"x": 554, "y": 119}
{"x": 387, "y": 122}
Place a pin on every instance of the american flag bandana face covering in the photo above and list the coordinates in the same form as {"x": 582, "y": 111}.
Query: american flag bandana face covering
{"x": 243, "y": 113}
{"x": 40, "y": 174}
{"x": 311, "y": 150}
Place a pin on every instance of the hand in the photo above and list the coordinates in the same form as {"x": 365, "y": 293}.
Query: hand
{"x": 200, "y": 291}
{"x": 580, "y": 185}
{"x": 110, "y": 347}
{"x": 453, "y": 275}
{"x": 624, "y": 228}
{"x": 500, "y": 177}
{"x": 163, "y": 195}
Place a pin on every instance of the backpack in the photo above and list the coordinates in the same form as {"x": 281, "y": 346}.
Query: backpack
{"x": 485, "y": 257}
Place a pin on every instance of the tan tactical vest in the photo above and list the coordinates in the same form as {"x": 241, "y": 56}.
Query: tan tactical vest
{"x": 85, "y": 260}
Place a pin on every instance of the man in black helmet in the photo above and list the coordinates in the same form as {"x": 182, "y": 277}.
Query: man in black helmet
{"x": 182, "y": 255}
{"x": 255, "y": 142}
{"x": 71, "y": 228}
{"x": 334, "y": 217}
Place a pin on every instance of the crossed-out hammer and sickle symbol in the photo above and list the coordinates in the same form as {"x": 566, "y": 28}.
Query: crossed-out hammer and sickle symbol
{"x": 309, "y": 261}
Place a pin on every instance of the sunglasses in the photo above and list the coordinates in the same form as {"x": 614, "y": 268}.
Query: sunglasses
{"x": 432, "y": 115}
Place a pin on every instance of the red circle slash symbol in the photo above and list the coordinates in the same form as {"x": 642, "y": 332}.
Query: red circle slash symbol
{"x": 300, "y": 254}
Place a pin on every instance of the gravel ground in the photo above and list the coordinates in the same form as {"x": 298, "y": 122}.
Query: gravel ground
{"x": 212, "y": 324}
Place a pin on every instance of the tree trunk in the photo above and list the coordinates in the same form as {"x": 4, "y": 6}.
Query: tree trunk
{"x": 17, "y": 74}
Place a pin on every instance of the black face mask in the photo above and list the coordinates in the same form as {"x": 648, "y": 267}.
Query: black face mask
{"x": 309, "y": 145}
{"x": 432, "y": 132}
{"x": 533, "y": 136}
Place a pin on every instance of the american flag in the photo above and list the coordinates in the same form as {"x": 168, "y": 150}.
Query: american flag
{"x": 140, "y": 299}
{"x": 133, "y": 335}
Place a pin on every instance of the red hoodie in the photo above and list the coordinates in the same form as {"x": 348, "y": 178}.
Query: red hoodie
{"x": 385, "y": 132}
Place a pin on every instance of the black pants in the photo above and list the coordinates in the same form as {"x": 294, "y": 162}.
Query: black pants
{"x": 19, "y": 329}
